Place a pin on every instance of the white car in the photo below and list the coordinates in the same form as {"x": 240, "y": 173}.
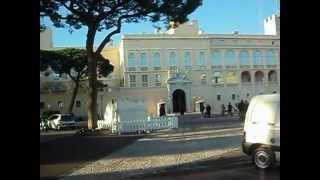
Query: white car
{"x": 60, "y": 121}
{"x": 261, "y": 134}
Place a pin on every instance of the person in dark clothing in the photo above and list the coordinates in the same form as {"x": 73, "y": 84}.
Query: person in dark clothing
{"x": 201, "y": 109}
{"x": 230, "y": 108}
{"x": 223, "y": 109}
{"x": 181, "y": 111}
{"x": 246, "y": 105}
{"x": 162, "y": 110}
{"x": 208, "y": 111}
{"x": 241, "y": 110}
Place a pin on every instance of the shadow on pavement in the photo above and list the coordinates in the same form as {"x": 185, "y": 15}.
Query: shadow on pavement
{"x": 225, "y": 168}
{"x": 62, "y": 155}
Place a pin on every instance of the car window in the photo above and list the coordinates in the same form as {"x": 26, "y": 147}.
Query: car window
{"x": 265, "y": 112}
{"x": 67, "y": 118}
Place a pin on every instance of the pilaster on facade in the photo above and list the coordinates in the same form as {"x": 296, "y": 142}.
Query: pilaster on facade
{"x": 250, "y": 58}
{"x": 237, "y": 53}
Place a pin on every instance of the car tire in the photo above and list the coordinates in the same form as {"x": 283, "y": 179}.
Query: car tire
{"x": 263, "y": 158}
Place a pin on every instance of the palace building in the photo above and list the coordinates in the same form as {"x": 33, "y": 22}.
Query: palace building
{"x": 181, "y": 67}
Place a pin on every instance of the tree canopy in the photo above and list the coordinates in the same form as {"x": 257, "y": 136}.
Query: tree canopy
{"x": 71, "y": 60}
{"x": 109, "y": 15}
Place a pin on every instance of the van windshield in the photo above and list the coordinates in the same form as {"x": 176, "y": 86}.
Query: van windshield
{"x": 66, "y": 118}
{"x": 265, "y": 112}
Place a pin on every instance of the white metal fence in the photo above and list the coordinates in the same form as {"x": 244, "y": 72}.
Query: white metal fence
{"x": 148, "y": 124}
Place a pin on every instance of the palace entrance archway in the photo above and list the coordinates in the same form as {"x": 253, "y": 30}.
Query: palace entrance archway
{"x": 179, "y": 101}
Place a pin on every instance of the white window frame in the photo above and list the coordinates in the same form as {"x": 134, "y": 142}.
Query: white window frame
{"x": 132, "y": 62}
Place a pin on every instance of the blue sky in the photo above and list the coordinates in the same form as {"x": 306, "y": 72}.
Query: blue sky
{"x": 214, "y": 16}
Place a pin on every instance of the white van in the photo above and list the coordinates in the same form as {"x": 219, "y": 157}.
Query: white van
{"x": 261, "y": 134}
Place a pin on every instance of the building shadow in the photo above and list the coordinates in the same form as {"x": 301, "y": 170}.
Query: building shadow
{"x": 227, "y": 166}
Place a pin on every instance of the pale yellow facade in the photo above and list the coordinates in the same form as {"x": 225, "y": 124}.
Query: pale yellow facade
{"x": 216, "y": 68}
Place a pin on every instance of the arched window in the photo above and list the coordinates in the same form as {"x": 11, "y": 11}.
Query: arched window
{"x": 272, "y": 76}
{"x": 200, "y": 60}
{"x": 156, "y": 59}
{"x": 244, "y": 57}
{"x": 271, "y": 58}
{"x": 131, "y": 59}
{"x": 216, "y": 58}
{"x": 245, "y": 77}
{"x": 259, "y": 77}
{"x": 143, "y": 59}
{"x": 187, "y": 58}
{"x": 257, "y": 57}
{"x": 172, "y": 59}
{"x": 229, "y": 57}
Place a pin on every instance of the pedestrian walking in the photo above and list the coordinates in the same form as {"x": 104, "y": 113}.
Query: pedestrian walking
{"x": 230, "y": 108}
{"x": 208, "y": 111}
{"x": 201, "y": 109}
{"x": 242, "y": 110}
{"x": 223, "y": 109}
{"x": 162, "y": 110}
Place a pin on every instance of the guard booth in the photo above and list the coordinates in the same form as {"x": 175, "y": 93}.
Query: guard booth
{"x": 161, "y": 104}
{"x": 198, "y": 104}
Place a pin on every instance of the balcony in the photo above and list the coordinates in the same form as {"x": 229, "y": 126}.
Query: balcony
{"x": 143, "y": 68}
{"x": 245, "y": 66}
{"x": 217, "y": 67}
{"x": 188, "y": 67}
{"x": 258, "y": 66}
{"x": 132, "y": 68}
{"x": 271, "y": 66}
{"x": 173, "y": 68}
{"x": 231, "y": 66}
{"x": 203, "y": 68}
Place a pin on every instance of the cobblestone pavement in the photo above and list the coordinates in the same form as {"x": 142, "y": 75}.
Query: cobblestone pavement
{"x": 164, "y": 149}
{"x": 232, "y": 165}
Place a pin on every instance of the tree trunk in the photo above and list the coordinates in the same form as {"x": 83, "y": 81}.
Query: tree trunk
{"x": 74, "y": 95}
{"x": 92, "y": 75}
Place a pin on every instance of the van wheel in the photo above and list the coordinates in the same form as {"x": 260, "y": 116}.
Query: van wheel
{"x": 263, "y": 158}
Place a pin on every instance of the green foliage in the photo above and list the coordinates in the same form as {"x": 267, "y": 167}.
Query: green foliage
{"x": 72, "y": 59}
{"x": 104, "y": 14}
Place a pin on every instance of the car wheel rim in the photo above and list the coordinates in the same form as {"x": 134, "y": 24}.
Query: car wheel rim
{"x": 262, "y": 159}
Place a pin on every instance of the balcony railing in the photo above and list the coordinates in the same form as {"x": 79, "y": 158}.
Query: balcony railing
{"x": 156, "y": 68}
{"x": 187, "y": 67}
{"x": 173, "y": 68}
{"x": 245, "y": 66}
{"x": 143, "y": 68}
{"x": 132, "y": 69}
{"x": 216, "y": 67}
{"x": 231, "y": 66}
{"x": 203, "y": 67}
{"x": 271, "y": 66}
{"x": 258, "y": 66}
